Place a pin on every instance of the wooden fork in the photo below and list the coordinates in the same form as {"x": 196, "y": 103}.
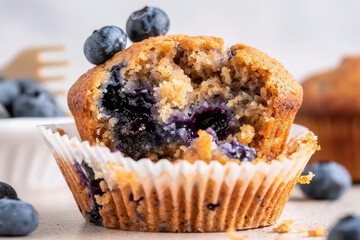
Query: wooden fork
{"x": 29, "y": 63}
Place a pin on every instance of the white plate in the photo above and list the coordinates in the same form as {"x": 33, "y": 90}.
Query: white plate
{"x": 25, "y": 161}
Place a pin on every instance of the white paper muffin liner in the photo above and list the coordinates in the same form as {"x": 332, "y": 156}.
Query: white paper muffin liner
{"x": 117, "y": 192}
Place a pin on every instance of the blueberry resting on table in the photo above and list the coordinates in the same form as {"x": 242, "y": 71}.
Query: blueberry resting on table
{"x": 17, "y": 218}
{"x": 348, "y": 228}
{"x": 331, "y": 181}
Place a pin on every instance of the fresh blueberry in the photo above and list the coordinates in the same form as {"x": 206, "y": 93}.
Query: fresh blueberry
{"x": 17, "y": 218}
{"x": 104, "y": 43}
{"x": 9, "y": 90}
{"x": 348, "y": 228}
{"x": 33, "y": 101}
{"x": 7, "y": 191}
{"x": 147, "y": 22}
{"x": 29, "y": 87}
{"x": 4, "y": 113}
{"x": 40, "y": 104}
{"x": 331, "y": 181}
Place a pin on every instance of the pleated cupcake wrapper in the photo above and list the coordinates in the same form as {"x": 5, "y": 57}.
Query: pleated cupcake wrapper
{"x": 117, "y": 192}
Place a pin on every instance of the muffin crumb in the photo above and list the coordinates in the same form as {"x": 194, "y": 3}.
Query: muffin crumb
{"x": 285, "y": 226}
{"x": 232, "y": 234}
{"x": 201, "y": 148}
{"x": 246, "y": 134}
{"x": 317, "y": 232}
{"x": 306, "y": 178}
{"x": 61, "y": 131}
{"x": 303, "y": 230}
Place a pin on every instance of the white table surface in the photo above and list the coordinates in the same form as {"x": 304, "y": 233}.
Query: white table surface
{"x": 60, "y": 219}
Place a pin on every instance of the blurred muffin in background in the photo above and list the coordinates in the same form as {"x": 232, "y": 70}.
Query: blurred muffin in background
{"x": 331, "y": 109}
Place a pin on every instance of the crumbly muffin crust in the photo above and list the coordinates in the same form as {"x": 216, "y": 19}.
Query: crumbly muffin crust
{"x": 178, "y": 76}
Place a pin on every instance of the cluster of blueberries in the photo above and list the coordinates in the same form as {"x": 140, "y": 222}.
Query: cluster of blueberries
{"x": 26, "y": 98}
{"x": 17, "y": 218}
{"x": 142, "y": 24}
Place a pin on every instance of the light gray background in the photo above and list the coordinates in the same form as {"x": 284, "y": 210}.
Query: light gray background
{"x": 305, "y": 35}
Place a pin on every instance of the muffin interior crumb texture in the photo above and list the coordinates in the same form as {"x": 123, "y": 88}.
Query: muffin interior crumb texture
{"x": 155, "y": 104}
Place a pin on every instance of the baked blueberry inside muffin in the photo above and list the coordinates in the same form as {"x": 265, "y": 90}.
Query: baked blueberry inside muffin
{"x": 154, "y": 98}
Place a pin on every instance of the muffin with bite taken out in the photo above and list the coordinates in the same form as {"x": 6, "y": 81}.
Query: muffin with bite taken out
{"x": 182, "y": 134}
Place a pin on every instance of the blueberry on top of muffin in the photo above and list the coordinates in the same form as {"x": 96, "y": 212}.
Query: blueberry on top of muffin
{"x": 104, "y": 43}
{"x": 147, "y": 22}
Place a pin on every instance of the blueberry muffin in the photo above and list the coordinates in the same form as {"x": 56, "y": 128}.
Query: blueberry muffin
{"x": 151, "y": 100}
{"x": 186, "y": 136}
{"x": 331, "y": 109}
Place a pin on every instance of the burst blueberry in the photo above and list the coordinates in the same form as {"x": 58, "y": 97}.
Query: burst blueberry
{"x": 331, "y": 181}
{"x": 348, "y": 228}
{"x": 217, "y": 118}
{"x": 17, "y": 218}
{"x": 147, "y": 22}
{"x": 87, "y": 178}
{"x": 136, "y": 131}
{"x": 237, "y": 150}
{"x": 104, "y": 43}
